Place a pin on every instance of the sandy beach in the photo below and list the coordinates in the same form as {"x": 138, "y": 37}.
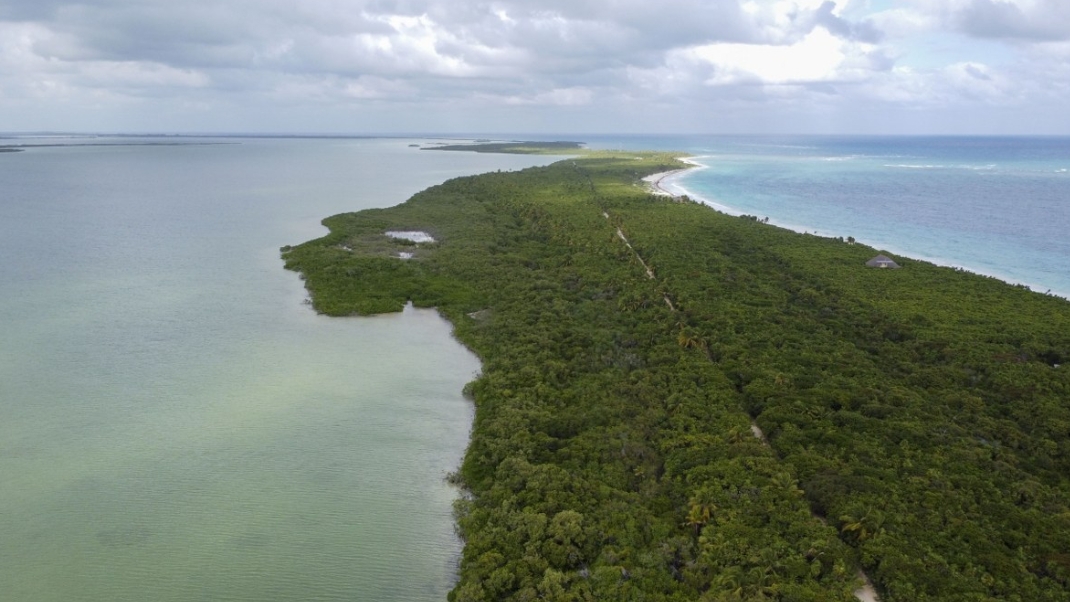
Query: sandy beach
{"x": 655, "y": 180}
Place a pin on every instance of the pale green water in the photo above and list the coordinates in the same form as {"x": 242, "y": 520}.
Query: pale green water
{"x": 174, "y": 423}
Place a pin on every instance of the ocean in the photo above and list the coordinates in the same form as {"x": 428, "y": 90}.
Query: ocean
{"x": 998, "y": 206}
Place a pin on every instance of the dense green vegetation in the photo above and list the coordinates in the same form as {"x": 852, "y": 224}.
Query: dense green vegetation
{"x": 916, "y": 421}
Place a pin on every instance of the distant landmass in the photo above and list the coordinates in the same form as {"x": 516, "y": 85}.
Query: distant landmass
{"x": 527, "y": 148}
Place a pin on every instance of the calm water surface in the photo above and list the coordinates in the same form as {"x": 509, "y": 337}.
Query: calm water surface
{"x": 175, "y": 424}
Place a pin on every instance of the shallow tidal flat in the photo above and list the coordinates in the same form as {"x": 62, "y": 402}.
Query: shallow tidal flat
{"x": 176, "y": 423}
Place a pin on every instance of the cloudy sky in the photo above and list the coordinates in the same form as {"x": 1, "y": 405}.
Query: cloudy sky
{"x": 536, "y": 66}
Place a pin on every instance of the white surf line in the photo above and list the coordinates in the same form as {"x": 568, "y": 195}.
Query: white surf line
{"x": 654, "y": 182}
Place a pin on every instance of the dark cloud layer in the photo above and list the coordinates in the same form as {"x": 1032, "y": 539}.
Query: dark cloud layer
{"x": 1047, "y": 20}
{"x": 864, "y": 31}
{"x": 552, "y": 36}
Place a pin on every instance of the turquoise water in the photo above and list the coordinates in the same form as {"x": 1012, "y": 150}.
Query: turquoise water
{"x": 175, "y": 423}
{"x": 996, "y": 206}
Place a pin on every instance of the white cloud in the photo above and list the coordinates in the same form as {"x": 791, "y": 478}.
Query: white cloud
{"x": 134, "y": 74}
{"x": 814, "y": 58}
{"x": 898, "y": 23}
{"x": 673, "y": 56}
{"x": 566, "y": 97}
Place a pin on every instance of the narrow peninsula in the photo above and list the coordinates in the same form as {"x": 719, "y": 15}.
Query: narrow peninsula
{"x": 678, "y": 405}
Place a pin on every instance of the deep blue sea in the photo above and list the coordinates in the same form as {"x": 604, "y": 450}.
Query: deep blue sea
{"x": 999, "y": 206}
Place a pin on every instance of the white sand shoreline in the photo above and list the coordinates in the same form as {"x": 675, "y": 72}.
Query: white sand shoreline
{"x": 655, "y": 180}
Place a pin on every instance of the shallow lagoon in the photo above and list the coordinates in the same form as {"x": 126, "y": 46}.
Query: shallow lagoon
{"x": 176, "y": 423}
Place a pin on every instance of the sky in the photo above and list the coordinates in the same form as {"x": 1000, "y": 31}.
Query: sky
{"x": 536, "y": 66}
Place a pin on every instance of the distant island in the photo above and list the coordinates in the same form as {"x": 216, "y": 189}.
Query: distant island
{"x": 677, "y": 404}
{"x": 120, "y": 142}
{"x": 520, "y": 148}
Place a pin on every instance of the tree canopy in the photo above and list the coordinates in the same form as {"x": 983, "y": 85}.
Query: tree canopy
{"x": 915, "y": 423}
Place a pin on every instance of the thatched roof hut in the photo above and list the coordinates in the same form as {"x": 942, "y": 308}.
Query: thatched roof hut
{"x": 882, "y": 261}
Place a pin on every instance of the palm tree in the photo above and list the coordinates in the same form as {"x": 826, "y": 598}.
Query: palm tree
{"x": 728, "y": 584}
{"x": 783, "y": 481}
{"x": 861, "y": 527}
{"x": 702, "y": 509}
{"x": 689, "y": 340}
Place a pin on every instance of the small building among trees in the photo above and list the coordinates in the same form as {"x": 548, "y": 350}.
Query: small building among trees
{"x": 882, "y": 261}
